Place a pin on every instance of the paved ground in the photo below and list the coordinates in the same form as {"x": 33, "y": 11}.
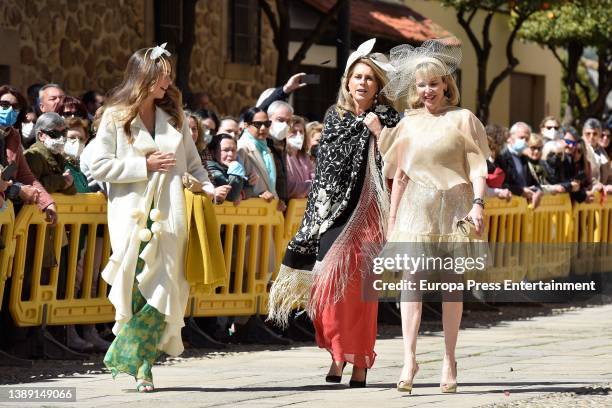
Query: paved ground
{"x": 564, "y": 359}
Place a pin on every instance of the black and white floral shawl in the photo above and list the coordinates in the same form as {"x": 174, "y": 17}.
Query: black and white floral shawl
{"x": 341, "y": 156}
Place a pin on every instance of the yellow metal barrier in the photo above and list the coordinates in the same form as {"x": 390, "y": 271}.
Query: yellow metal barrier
{"x": 605, "y": 236}
{"x": 36, "y": 294}
{"x": 293, "y": 218}
{"x": 547, "y": 238}
{"x": 252, "y": 234}
{"x": 7, "y": 223}
{"x": 505, "y": 229}
{"x": 589, "y": 235}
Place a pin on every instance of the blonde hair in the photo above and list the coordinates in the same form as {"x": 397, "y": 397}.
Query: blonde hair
{"x": 295, "y": 119}
{"x": 546, "y": 119}
{"x": 432, "y": 68}
{"x": 78, "y": 123}
{"x": 535, "y": 138}
{"x": 345, "y": 100}
{"x": 141, "y": 74}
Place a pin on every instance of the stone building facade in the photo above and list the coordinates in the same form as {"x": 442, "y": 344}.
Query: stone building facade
{"x": 85, "y": 45}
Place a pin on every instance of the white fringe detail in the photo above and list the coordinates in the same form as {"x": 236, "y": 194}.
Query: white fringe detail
{"x": 291, "y": 289}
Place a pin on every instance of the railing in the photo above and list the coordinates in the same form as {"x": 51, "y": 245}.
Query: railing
{"x": 246, "y": 243}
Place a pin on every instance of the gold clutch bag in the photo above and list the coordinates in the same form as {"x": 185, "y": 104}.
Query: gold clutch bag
{"x": 191, "y": 183}
{"x": 467, "y": 228}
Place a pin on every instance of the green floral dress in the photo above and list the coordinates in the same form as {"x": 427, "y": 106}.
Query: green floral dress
{"x": 134, "y": 350}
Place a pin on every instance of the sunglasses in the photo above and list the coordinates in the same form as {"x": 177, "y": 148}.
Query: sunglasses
{"x": 72, "y": 115}
{"x": 552, "y": 127}
{"x": 258, "y": 124}
{"x": 55, "y": 134}
{"x": 7, "y": 104}
{"x": 570, "y": 142}
{"x": 535, "y": 147}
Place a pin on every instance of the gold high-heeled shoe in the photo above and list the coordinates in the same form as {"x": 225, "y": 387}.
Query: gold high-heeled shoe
{"x": 406, "y": 385}
{"x": 450, "y": 388}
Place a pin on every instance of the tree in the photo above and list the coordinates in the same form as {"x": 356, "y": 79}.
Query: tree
{"x": 572, "y": 26}
{"x": 466, "y": 10}
{"x": 280, "y": 23}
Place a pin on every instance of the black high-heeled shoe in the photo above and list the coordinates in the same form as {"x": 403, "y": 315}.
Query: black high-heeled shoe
{"x": 359, "y": 384}
{"x": 335, "y": 378}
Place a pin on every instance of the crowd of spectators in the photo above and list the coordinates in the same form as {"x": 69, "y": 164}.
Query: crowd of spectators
{"x": 555, "y": 160}
{"x": 267, "y": 151}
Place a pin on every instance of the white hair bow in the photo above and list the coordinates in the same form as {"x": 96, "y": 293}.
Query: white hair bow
{"x": 159, "y": 50}
{"x": 365, "y": 50}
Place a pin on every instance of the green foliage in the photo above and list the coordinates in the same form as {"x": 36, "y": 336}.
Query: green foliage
{"x": 587, "y": 21}
{"x": 515, "y": 8}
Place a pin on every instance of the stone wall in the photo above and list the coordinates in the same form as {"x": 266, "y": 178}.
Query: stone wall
{"x": 231, "y": 86}
{"x": 86, "y": 44}
{"x": 79, "y": 44}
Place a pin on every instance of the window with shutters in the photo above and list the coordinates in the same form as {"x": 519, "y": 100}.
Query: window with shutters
{"x": 169, "y": 23}
{"x": 245, "y": 32}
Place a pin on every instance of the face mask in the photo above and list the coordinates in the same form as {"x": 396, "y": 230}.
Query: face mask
{"x": 519, "y": 146}
{"x": 296, "y": 141}
{"x": 55, "y": 145}
{"x": 207, "y": 137}
{"x": 551, "y": 134}
{"x": 27, "y": 130}
{"x": 73, "y": 148}
{"x": 279, "y": 130}
{"x": 8, "y": 117}
{"x": 236, "y": 169}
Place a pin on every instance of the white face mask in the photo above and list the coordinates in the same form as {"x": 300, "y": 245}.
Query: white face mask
{"x": 207, "y": 137}
{"x": 73, "y": 148}
{"x": 55, "y": 145}
{"x": 27, "y": 130}
{"x": 279, "y": 130}
{"x": 552, "y": 134}
{"x": 296, "y": 141}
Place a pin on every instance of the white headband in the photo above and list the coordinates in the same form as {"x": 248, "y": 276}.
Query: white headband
{"x": 365, "y": 51}
{"x": 158, "y": 51}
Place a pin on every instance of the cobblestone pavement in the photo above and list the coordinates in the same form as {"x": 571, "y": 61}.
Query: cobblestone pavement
{"x": 562, "y": 359}
{"x": 593, "y": 396}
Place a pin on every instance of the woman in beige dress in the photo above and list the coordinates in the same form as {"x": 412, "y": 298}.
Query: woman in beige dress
{"x": 436, "y": 157}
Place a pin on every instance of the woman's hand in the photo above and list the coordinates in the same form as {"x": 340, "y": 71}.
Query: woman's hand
{"x": 29, "y": 194}
{"x": 4, "y": 185}
{"x": 476, "y": 216}
{"x": 266, "y": 195}
{"x": 68, "y": 178}
{"x": 373, "y": 123}
{"x": 221, "y": 192}
{"x": 160, "y": 161}
{"x": 51, "y": 214}
{"x": 575, "y": 186}
{"x": 503, "y": 193}
{"x": 558, "y": 189}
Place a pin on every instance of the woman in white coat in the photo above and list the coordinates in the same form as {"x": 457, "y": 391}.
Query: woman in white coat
{"x": 143, "y": 150}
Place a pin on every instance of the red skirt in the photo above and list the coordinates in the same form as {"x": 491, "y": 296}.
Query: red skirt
{"x": 347, "y": 328}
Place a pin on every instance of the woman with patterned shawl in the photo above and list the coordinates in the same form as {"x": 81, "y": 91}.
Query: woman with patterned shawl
{"x": 343, "y": 227}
